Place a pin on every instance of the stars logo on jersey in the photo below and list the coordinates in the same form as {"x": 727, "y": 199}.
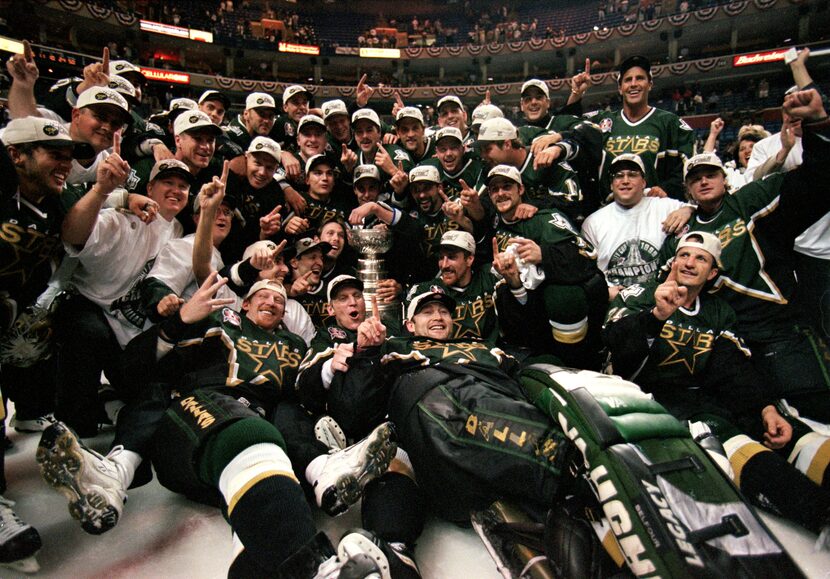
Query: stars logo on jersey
{"x": 558, "y": 220}
{"x": 401, "y": 155}
{"x": 231, "y": 317}
{"x": 289, "y": 129}
{"x": 685, "y": 126}
{"x": 605, "y": 125}
{"x": 132, "y": 181}
{"x": 686, "y": 345}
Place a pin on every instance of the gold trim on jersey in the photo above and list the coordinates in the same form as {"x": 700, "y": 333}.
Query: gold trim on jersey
{"x": 723, "y": 280}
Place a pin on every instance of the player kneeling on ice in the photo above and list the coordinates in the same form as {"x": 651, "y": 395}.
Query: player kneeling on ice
{"x": 228, "y": 372}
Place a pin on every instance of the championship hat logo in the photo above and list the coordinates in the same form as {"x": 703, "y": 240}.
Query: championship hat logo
{"x": 101, "y": 96}
{"x": 120, "y": 66}
{"x": 51, "y": 130}
{"x": 193, "y": 118}
{"x": 260, "y": 100}
{"x": 258, "y": 146}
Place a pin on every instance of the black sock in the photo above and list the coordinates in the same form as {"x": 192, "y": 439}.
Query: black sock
{"x": 393, "y": 508}
{"x": 272, "y": 520}
{"x": 770, "y": 481}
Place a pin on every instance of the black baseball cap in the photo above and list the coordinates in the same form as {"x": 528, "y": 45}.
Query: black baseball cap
{"x": 633, "y": 61}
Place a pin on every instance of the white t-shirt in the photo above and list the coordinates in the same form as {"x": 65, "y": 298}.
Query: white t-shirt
{"x": 815, "y": 240}
{"x": 118, "y": 254}
{"x": 628, "y": 240}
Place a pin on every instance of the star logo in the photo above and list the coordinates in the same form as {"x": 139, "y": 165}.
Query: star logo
{"x": 683, "y": 342}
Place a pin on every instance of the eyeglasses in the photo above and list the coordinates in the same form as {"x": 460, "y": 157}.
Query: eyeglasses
{"x": 626, "y": 175}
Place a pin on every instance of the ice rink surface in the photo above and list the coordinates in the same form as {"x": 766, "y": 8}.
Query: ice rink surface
{"x": 164, "y": 535}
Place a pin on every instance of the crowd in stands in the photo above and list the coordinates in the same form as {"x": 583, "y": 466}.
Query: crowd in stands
{"x": 207, "y": 266}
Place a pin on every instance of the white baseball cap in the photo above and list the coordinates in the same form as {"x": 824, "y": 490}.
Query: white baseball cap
{"x": 318, "y": 159}
{"x": 260, "y": 100}
{"x": 425, "y": 173}
{"x": 508, "y": 171}
{"x": 310, "y": 120}
{"x": 366, "y": 172}
{"x": 366, "y": 114}
{"x": 459, "y": 239}
{"x": 255, "y": 246}
{"x": 448, "y": 133}
{"x": 123, "y": 67}
{"x": 37, "y": 130}
{"x": 123, "y": 86}
{"x": 485, "y": 112}
{"x": 410, "y": 113}
{"x": 497, "y": 129}
{"x": 536, "y": 83}
{"x": 702, "y": 160}
{"x": 449, "y": 99}
{"x": 182, "y": 104}
{"x": 192, "y": 120}
{"x": 341, "y": 281}
{"x": 267, "y": 284}
{"x": 171, "y": 166}
{"x": 294, "y": 90}
{"x": 710, "y": 243}
{"x": 629, "y": 158}
{"x": 265, "y": 145}
{"x": 103, "y": 95}
{"x": 335, "y": 107}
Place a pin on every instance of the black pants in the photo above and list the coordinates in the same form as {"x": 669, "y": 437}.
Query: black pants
{"x": 31, "y": 389}
{"x": 86, "y": 346}
{"x": 471, "y": 444}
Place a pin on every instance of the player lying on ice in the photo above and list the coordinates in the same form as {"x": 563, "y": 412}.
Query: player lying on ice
{"x": 228, "y": 371}
{"x": 476, "y": 429}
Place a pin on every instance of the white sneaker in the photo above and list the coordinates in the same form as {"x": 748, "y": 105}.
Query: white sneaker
{"x": 38, "y": 424}
{"x": 340, "y": 481}
{"x": 19, "y": 542}
{"x": 329, "y": 433}
{"x": 93, "y": 483}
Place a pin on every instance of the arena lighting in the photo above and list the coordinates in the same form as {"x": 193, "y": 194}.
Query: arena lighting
{"x": 298, "y": 48}
{"x": 380, "y": 53}
{"x": 166, "y": 75}
{"x": 177, "y": 31}
{"x": 10, "y": 45}
{"x": 167, "y": 29}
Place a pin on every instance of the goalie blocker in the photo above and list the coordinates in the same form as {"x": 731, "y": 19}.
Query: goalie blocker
{"x": 670, "y": 508}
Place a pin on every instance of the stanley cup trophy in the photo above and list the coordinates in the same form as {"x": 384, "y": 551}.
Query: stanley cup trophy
{"x": 371, "y": 268}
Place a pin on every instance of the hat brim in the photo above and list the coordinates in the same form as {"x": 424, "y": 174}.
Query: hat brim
{"x": 218, "y": 96}
{"x": 344, "y": 283}
{"x": 701, "y": 165}
{"x": 423, "y": 301}
{"x": 323, "y": 245}
{"x": 216, "y": 130}
{"x": 186, "y": 175}
{"x": 128, "y": 118}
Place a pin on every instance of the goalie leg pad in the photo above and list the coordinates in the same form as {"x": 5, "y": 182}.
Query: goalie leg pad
{"x": 670, "y": 507}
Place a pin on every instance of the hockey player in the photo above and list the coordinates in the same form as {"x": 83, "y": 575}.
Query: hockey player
{"x": 36, "y": 160}
{"x": 662, "y": 139}
{"x": 679, "y": 343}
{"x": 213, "y": 439}
{"x": 757, "y": 226}
{"x": 567, "y": 294}
{"x": 366, "y": 127}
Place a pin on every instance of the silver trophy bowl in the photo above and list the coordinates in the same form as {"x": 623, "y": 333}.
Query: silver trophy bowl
{"x": 371, "y": 268}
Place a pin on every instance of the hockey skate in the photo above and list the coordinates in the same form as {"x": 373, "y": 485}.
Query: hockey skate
{"x": 364, "y": 550}
{"x": 93, "y": 484}
{"x": 19, "y": 541}
{"x": 38, "y": 424}
{"x": 329, "y": 433}
{"x": 340, "y": 482}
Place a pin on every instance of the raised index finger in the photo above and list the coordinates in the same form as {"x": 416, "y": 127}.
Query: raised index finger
{"x": 398, "y": 98}
{"x": 105, "y": 61}
{"x": 116, "y": 143}
{"x": 495, "y": 246}
{"x": 361, "y": 81}
{"x": 28, "y": 53}
{"x": 225, "y": 169}
{"x": 375, "y": 311}
{"x": 673, "y": 272}
{"x": 587, "y": 66}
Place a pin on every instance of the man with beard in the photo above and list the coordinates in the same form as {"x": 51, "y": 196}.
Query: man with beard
{"x": 37, "y": 159}
{"x": 367, "y": 134}
{"x": 566, "y": 294}
{"x": 472, "y": 289}
{"x": 409, "y": 126}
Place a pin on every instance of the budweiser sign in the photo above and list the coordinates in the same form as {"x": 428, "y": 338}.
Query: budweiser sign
{"x": 759, "y": 57}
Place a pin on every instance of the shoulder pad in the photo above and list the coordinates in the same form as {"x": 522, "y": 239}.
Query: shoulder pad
{"x": 64, "y": 82}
